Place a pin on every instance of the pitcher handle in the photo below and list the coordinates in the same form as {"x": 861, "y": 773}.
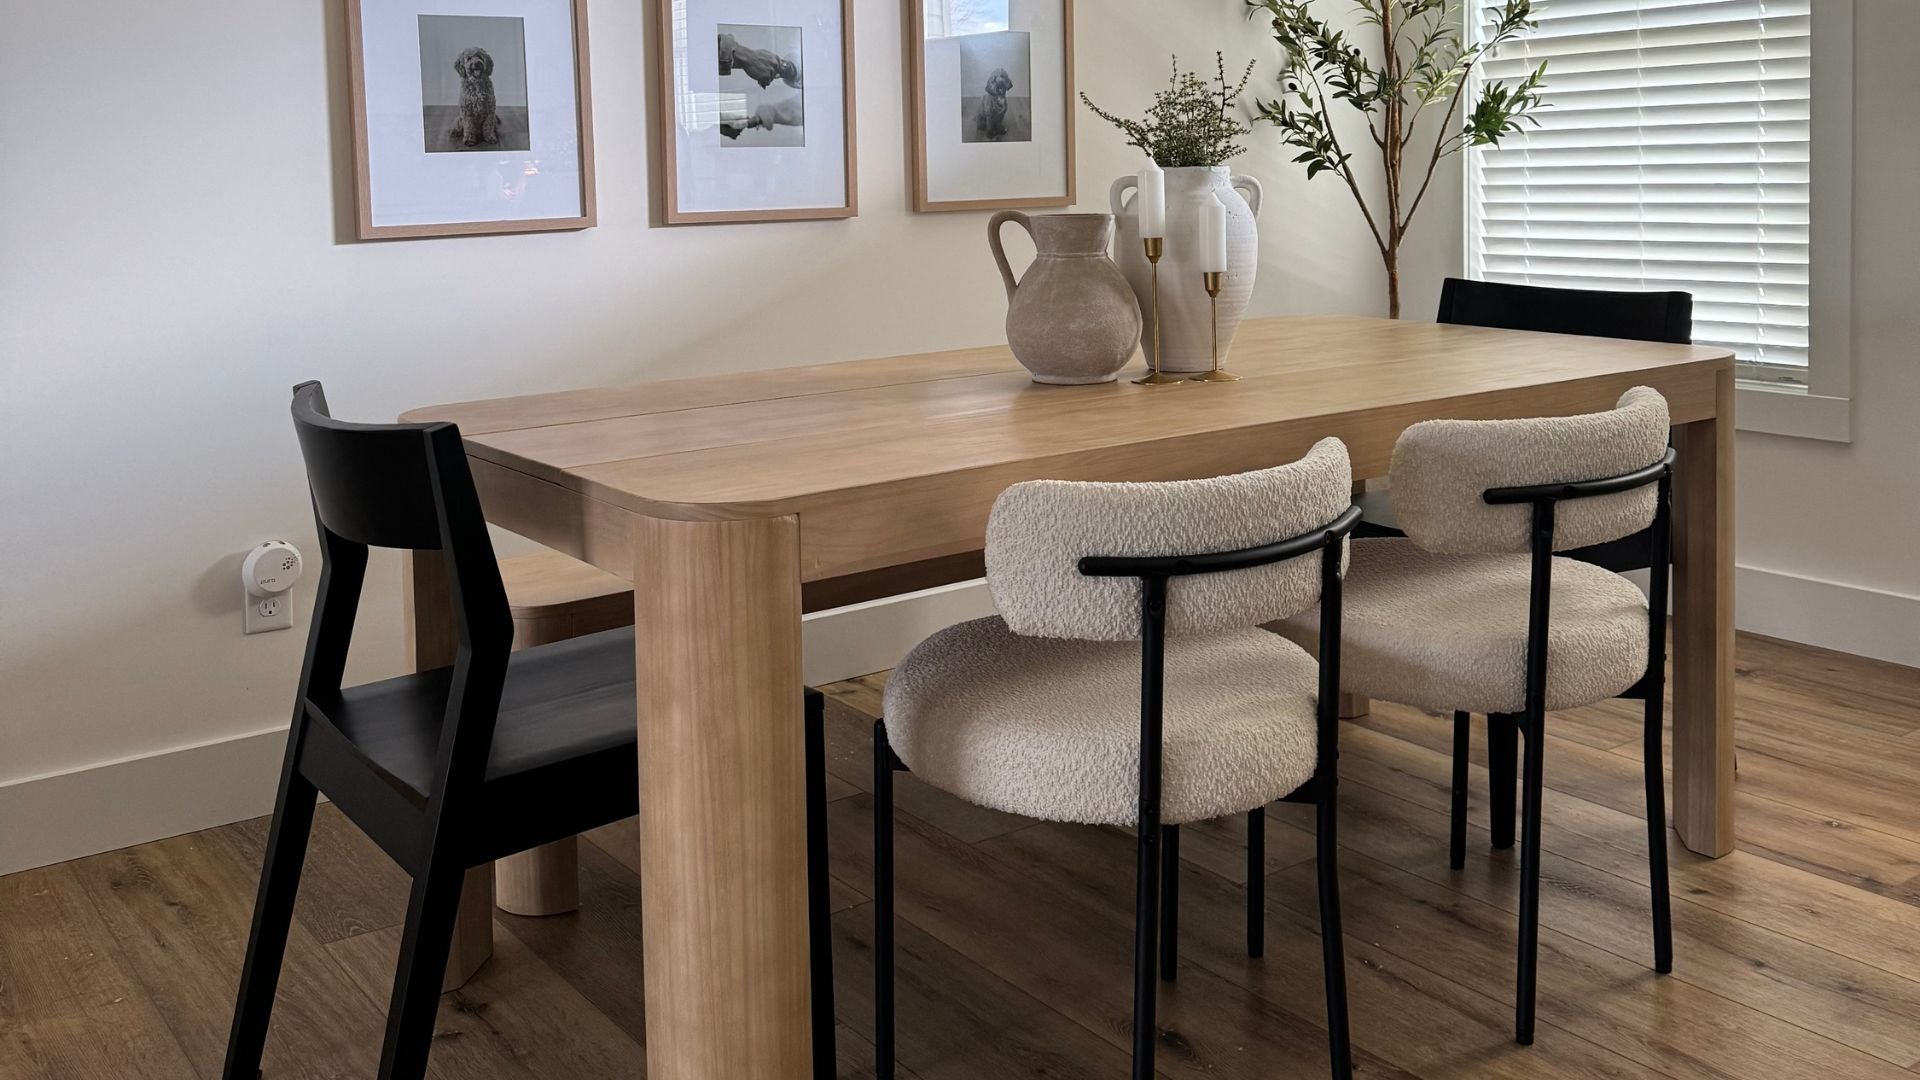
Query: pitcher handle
{"x": 1249, "y": 189}
{"x": 1117, "y": 194}
{"x": 1000, "y": 253}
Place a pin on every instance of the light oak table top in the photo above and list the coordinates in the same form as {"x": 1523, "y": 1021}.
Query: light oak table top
{"x": 934, "y": 428}
{"x": 734, "y": 502}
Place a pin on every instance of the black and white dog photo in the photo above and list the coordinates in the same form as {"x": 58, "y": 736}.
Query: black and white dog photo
{"x": 473, "y": 83}
{"x": 996, "y": 94}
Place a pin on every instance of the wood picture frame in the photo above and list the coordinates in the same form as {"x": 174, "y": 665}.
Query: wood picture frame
{"x": 366, "y": 213}
{"x": 673, "y": 209}
{"x": 924, "y": 198}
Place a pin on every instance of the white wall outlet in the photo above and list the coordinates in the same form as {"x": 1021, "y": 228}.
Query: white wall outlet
{"x": 267, "y": 613}
{"x": 267, "y": 576}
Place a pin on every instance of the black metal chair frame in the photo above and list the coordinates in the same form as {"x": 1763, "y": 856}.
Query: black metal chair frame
{"x": 408, "y": 486}
{"x": 1504, "y": 730}
{"x": 1157, "y": 873}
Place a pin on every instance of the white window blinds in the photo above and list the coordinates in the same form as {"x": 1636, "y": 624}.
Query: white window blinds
{"x": 1674, "y": 154}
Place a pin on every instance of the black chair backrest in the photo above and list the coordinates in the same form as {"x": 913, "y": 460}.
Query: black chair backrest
{"x": 1634, "y": 316}
{"x": 404, "y": 486}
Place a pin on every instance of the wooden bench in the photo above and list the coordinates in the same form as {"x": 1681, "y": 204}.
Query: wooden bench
{"x": 553, "y": 598}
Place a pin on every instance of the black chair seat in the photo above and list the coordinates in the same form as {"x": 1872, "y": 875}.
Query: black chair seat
{"x": 562, "y": 702}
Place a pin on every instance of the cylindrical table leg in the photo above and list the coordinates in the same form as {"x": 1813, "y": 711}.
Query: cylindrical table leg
{"x": 539, "y": 881}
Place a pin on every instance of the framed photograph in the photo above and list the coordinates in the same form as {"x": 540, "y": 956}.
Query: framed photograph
{"x": 470, "y": 116}
{"x": 990, "y": 89}
{"x": 756, "y": 99}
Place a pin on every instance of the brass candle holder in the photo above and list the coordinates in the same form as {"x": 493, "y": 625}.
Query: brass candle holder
{"x": 1154, "y": 246}
{"x": 1211, "y": 279}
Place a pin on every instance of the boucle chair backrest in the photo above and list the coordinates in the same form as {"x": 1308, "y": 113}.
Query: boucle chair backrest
{"x": 1040, "y": 530}
{"x": 1441, "y": 468}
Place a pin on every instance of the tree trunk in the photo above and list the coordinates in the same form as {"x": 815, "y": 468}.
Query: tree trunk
{"x": 1392, "y": 258}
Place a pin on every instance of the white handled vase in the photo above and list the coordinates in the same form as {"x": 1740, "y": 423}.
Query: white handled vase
{"x": 1185, "y": 315}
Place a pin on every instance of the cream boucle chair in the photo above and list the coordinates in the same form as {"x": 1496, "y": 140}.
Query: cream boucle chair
{"x": 1036, "y": 711}
{"x": 1473, "y": 611}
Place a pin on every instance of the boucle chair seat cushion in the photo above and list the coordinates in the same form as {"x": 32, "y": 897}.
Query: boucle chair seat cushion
{"x": 1449, "y": 632}
{"x": 1050, "y": 727}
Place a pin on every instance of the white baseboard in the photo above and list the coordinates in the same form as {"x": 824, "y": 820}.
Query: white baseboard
{"x": 864, "y": 638}
{"x": 1830, "y": 614}
{"x": 47, "y": 819}
{"x": 94, "y": 808}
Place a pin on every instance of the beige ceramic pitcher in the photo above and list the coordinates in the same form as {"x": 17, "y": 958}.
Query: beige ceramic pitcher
{"x": 1073, "y": 317}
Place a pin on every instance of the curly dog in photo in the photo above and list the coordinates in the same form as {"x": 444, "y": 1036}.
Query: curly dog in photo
{"x": 479, "y": 116}
{"x": 991, "y": 121}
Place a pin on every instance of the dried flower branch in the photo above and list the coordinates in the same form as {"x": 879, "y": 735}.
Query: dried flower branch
{"x": 1190, "y": 123}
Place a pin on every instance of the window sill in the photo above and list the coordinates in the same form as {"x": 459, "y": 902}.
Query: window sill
{"x": 1793, "y": 412}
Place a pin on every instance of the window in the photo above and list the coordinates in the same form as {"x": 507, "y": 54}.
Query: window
{"x": 1676, "y": 153}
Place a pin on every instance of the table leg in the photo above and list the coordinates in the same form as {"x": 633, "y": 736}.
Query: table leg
{"x": 539, "y": 881}
{"x": 431, "y": 644}
{"x": 544, "y": 880}
{"x": 723, "y": 836}
{"x": 1703, "y": 629}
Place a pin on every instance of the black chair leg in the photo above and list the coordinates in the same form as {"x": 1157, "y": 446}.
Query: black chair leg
{"x": 1170, "y": 902}
{"x": 1146, "y": 921}
{"x": 424, "y": 944}
{"x": 819, "y": 905}
{"x": 883, "y": 761}
{"x": 272, "y": 918}
{"x": 1657, "y": 837}
{"x": 1532, "y": 783}
{"x": 1257, "y": 882}
{"x": 1502, "y": 751}
{"x": 1457, "y": 825}
{"x": 1332, "y": 943}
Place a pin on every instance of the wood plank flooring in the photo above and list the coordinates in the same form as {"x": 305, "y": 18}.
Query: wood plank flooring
{"x": 1797, "y": 957}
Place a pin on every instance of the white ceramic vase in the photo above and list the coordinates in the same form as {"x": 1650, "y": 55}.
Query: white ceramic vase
{"x": 1186, "y": 327}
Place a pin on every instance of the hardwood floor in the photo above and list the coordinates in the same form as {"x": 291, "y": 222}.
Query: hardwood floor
{"x": 1796, "y": 957}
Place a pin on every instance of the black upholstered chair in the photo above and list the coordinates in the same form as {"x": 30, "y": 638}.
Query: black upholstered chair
{"x": 455, "y": 767}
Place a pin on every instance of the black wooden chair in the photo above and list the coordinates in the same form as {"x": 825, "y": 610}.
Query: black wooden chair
{"x": 451, "y": 768}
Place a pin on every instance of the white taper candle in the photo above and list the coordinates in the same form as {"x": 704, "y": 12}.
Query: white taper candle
{"x": 1152, "y": 200}
{"x": 1213, "y": 234}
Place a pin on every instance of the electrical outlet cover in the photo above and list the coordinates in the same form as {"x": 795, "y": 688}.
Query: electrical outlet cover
{"x": 261, "y": 614}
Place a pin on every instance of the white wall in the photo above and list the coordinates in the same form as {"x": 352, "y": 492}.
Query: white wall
{"x": 1829, "y": 534}
{"x": 175, "y": 254}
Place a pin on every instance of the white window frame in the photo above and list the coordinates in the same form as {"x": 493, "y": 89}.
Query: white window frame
{"x": 1823, "y": 408}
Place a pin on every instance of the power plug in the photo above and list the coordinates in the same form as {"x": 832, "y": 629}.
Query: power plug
{"x": 267, "y": 574}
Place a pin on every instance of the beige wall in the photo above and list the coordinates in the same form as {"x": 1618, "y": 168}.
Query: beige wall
{"x": 1850, "y": 513}
{"x": 173, "y": 258}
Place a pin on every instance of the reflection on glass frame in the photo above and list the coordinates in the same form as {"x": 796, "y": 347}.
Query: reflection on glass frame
{"x": 756, "y": 111}
{"x": 470, "y": 116}
{"x": 990, "y": 89}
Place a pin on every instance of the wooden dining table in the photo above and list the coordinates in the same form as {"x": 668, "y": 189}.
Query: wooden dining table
{"x": 735, "y": 503}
